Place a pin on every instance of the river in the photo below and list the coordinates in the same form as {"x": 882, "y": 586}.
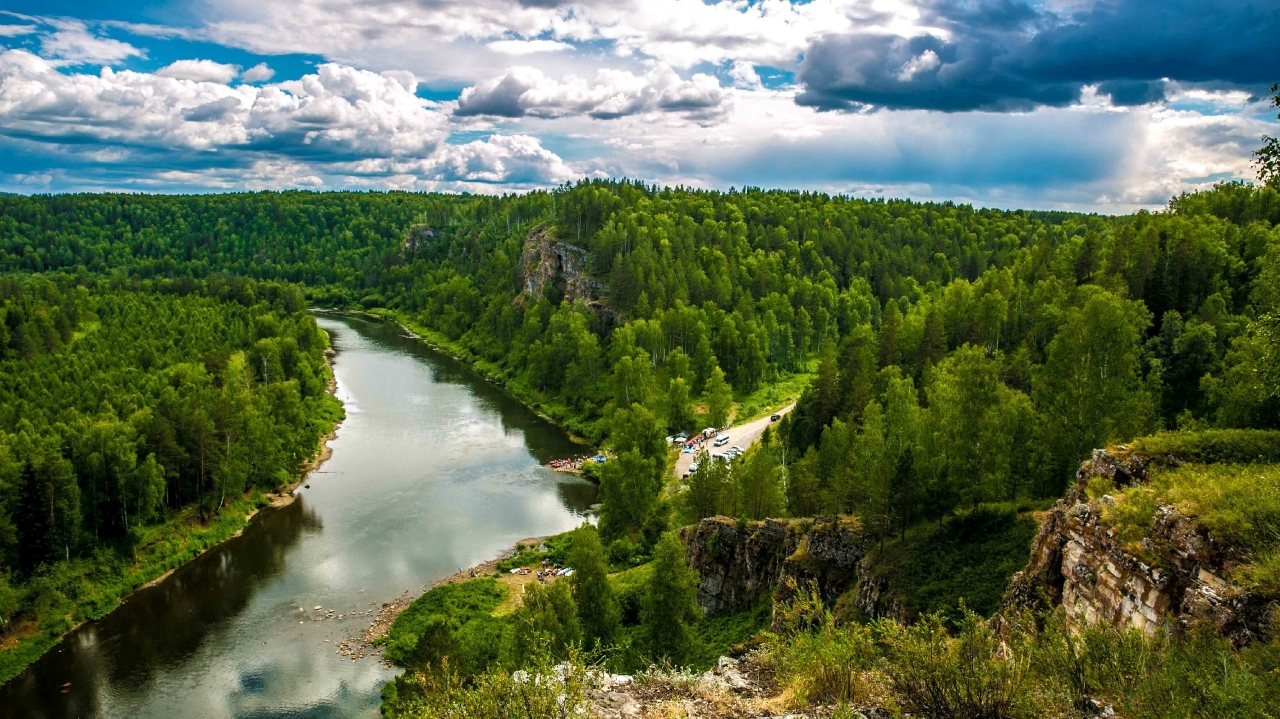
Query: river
{"x": 433, "y": 469}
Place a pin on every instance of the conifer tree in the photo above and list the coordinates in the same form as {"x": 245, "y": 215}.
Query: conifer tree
{"x": 670, "y": 602}
{"x": 598, "y": 612}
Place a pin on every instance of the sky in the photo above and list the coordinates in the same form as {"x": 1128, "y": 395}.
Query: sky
{"x": 1093, "y": 105}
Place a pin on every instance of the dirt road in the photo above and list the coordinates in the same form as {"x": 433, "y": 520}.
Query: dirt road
{"x": 742, "y": 435}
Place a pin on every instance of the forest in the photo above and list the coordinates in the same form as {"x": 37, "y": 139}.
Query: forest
{"x": 957, "y": 355}
{"x": 945, "y": 358}
{"x": 132, "y": 413}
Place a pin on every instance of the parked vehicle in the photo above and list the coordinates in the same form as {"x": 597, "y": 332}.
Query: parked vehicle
{"x": 722, "y": 440}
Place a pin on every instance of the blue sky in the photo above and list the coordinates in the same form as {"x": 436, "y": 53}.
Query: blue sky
{"x": 1101, "y": 105}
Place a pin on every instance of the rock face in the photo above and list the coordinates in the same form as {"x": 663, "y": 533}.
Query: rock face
{"x": 1181, "y": 574}
{"x": 418, "y": 239}
{"x": 738, "y": 563}
{"x": 547, "y": 261}
{"x": 873, "y": 597}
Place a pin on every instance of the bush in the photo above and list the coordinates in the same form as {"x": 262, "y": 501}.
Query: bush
{"x": 824, "y": 664}
{"x": 1076, "y": 666}
{"x": 524, "y": 557}
{"x": 973, "y": 674}
{"x": 1210, "y": 446}
{"x": 624, "y": 553}
{"x": 540, "y": 692}
{"x": 432, "y": 627}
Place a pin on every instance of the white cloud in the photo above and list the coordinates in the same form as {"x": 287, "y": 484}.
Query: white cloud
{"x": 745, "y": 76}
{"x": 924, "y": 62}
{"x": 257, "y": 73}
{"x": 337, "y": 127}
{"x": 681, "y": 33}
{"x": 338, "y": 110}
{"x": 16, "y": 30}
{"x": 499, "y": 159}
{"x": 200, "y": 71}
{"x": 527, "y": 47}
{"x": 527, "y": 91}
{"x": 72, "y": 43}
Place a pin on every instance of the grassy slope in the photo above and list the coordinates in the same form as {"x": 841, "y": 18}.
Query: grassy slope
{"x": 1237, "y": 503}
{"x": 968, "y": 556}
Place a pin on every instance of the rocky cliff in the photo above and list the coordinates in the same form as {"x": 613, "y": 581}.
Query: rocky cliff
{"x": 738, "y": 562}
{"x": 546, "y": 262}
{"x": 1181, "y": 574}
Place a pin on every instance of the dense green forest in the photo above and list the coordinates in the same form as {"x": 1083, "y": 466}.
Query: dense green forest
{"x": 950, "y": 358}
{"x": 958, "y": 355}
{"x": 131, "y": 414}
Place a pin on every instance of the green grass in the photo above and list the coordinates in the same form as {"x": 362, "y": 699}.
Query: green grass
{"x": 1239, "y": 504}
{"x": 438, "y": 617}
{"x": 966, "y": 557}
{"x": 772, "y": 396}
{"x": 718, "y": 635}
{"x": 66, "y": 594}
{"x": 1239, "y": 446}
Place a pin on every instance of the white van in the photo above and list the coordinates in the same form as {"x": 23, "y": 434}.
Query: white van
{"x": 722, "y": 440}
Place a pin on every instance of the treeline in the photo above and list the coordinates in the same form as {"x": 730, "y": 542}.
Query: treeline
{"x": 961, "y": 355}
{"x": 122, "y": 403}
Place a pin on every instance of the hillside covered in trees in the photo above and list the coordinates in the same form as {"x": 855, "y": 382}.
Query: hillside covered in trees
{"x": 949, "y": 357}
{"x": 962, "y": 355}
{"x": 134, "y": 416}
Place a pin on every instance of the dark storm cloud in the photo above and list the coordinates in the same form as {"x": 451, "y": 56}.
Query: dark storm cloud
{"x": 1004, "y": 55}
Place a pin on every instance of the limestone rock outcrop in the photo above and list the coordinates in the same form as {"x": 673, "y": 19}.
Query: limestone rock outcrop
{"x": 739, "y": 562}
{"x": 1180, "y": 574}
{"x": 545, "y": 261}
{"x": 874, "y": 598}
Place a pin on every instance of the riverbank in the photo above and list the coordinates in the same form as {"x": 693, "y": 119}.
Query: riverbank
{"x": 579, "y": 429}
{"x": 372, "y": 636}
{"x": 89, "y": 588}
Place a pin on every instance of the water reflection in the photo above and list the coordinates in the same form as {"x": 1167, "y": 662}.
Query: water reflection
{"x": 434, "y": 469}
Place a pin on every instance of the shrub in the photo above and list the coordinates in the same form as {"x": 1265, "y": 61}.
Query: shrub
{"x": 1096, "y": 662}
{"x": 823, "y": 663}
{"x": 973, "y": 674}
{"x": 429, "y": 628}
{"x": 1199, "y": 676}
{"x": 542, "y": 691}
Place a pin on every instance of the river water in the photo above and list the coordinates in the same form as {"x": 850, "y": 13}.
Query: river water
{"x": 434, "y": 469}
